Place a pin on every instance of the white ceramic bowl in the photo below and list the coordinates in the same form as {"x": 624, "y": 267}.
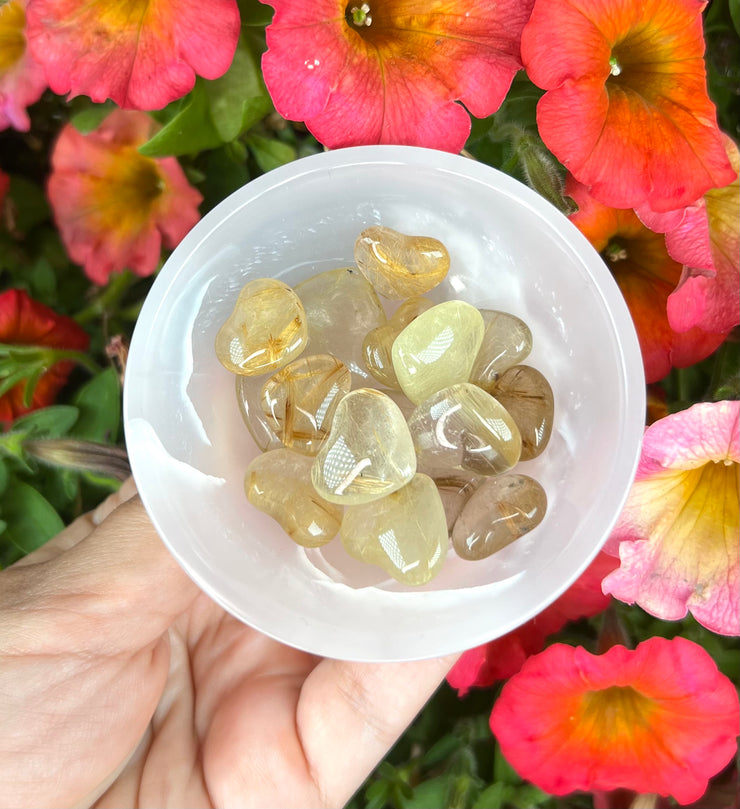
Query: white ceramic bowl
{"x": 510, "y": 250}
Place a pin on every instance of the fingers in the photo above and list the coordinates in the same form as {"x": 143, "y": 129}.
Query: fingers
{"x": 81, "y": 527}
{"x": 115, "y": 590}
{"x": 350, "y": 714}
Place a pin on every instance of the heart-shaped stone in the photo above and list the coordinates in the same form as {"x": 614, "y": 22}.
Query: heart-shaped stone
{"x": 506, "y": 342}
{"x": 369, "y": 452}
{"x": 299, "y": 400}
{"x": 279, "y": 483}
{"x": 399, "y": 266}
{"x": 405, "y": 533}
{"x": 464, "y": 428}
{"x": 501, "y": 510}
{"x": 437, "y": 349}
{"x": 377, "y": 345}
{"x": 265, "y": 330}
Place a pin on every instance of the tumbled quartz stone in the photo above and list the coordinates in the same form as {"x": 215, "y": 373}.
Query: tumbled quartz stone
{"x": 369, "y": 452}
{"x": 299, "y": 400}
{"x": 506, "y": 342}
{"x": 437, "y": 349}
{"x": 464, "y": 428}
{"x": 528, "y": 397}
{"x": 265, "y": 330}
{"x": 377, "y": 345}
{"x": 399, "y": 266}
{"x": 341, "y": 308}
{"x": 249, "y": 399}
{"x": 501, "y": 510}
{"x": 405, "y": 533}
{"x": 456, "y": 489}
{"x": 279, "y": 483}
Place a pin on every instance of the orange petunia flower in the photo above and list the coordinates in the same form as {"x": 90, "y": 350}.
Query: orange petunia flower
{"x": 501, "y": 658}
{"x": 22, "y": 78}
{"x": 140, "y": 53}
{"x": 114, "y": 207}
{"x": 390, "y": 71}
{"x": 647, "y": 275}
{"x": 626, "y": 108}
{"x": 657, "y": 719}
{"x": 705, "y": 238}
{"x": 678, "y": 537}
{"x": 26, "y": 322}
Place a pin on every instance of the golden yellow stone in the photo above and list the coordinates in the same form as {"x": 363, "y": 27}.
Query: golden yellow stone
{"x": 279, "y": 484}
{"x": 399, "y": 266}
{"x": 266, "y": 329}
{"x": 405, "y": 533}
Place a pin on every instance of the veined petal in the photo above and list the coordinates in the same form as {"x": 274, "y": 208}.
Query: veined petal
{"x": 657, "y": 719}
{"x": 140, "y": 53}
{"x": 678, "y": 534}
{"x": 626, "y": 99}
{"x": 394, "y": 78}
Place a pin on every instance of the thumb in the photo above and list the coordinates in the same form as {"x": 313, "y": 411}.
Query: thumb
{"x": 116, "y": 590}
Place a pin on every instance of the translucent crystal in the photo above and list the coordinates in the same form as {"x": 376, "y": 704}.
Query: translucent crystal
{"x": 249, "y": 399}
{"x": 455, "y": 490}
{"x": 368, "y": 453}
{"x": 341, "y": 308}
{"x": 501, "y": 510}
{"x": 377, "y": 345}
{"x": 399, "y": 266}
{"x": 265, "y": 330}
{"x": 279, "y": 483}
{"x": 528, "y": 397}
{"x": 405, "y": 533}
{"x": 464, "y": 428}
{"x": 437, "y": 349}
{"x": 507, "y": 341}
{"x": 299, "y": 400}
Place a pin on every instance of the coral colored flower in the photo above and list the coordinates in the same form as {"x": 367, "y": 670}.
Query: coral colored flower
{"x": 660, "y": 718}
{"x": 504, "y": 656}
{"x": 113, "y": 206}
{"x": 705, "y": 238}
{"x": 678, "y": 535}
{"x": 389, "y": 71}
{"x": 140, "y": 53}
{"x": 24, "y": 321}
{"x": 647, "y": 275}
{"x": 22, "y": 78}
{"x": 626, "y": 108}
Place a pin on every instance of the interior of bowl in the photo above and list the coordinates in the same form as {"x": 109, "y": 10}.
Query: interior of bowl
{"x": 511, "y": 251}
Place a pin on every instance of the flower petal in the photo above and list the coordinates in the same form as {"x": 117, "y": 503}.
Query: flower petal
{"x": 677, "y": 536}
{"x": 626, "y": 99}
{"x": 657, "y": 719}
{"x": 142, "y": 54}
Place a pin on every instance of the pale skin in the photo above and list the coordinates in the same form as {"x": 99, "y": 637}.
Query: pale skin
{"x": 123, "y": 685}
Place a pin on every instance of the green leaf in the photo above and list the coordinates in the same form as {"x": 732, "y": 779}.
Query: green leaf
{"x": 432, "y": 792}
{"x": 502, "y": 770}
{"x": 441, "y": 750}
{"x": 29, "y": 204}
{"x": 89, "y": 116}
{"x": 4, "y": 477}
{"x": 99, "y": 403}
{"x": 31, "y": 519}
{"x": 735, "y": 15}
{"x": 191, "y": 130}
{"x": 493, "y": 797}
{"x": 527, "y": 796}
{"x": 270, "y": 153}
{"x": 254, "y": 13}
{"x": 239, "y": 99}
{"x": 49, "y": 422}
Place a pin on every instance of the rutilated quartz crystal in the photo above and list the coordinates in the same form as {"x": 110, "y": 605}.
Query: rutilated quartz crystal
{"x": 507, "y": 341}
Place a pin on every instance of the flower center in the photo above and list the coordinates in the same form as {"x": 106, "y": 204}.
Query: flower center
{"x": 615, "y": 713}
{"x": 359, "y": 16}
{"x": 615, "y": 251}
{"x": 12, "y": 36}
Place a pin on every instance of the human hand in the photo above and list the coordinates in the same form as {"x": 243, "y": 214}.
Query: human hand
{"x": 124, "y": 685}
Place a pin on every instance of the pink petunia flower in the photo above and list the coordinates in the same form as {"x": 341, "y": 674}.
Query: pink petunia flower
{"x": 503, "y": 657}
{"x": 657, "y": 719}
{"x": 114, "y": 207}
{"x": 626, "y": 108}
{"x": 143, "y": 54}
{"x": 390, "y": 71}
{"x": 26, "y": 322}
{"x": 705, "y": 238}
{"x": 22, "y": 78}
{"x": 679, "y": 533}
{"x": 646, "y": 275}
